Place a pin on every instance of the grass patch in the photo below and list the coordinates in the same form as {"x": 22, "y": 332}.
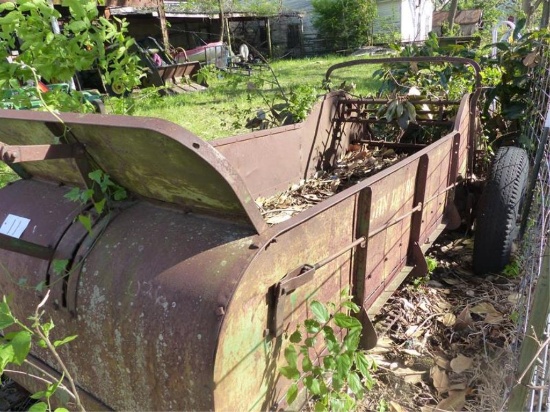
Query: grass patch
{"x": 223, "y": 109}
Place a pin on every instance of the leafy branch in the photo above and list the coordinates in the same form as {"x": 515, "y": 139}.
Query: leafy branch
{"x": 16, "y": 345}
{"x": 334, "y": 370}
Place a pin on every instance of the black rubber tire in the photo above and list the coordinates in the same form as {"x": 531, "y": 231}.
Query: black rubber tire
{"x": 497, "y": 222}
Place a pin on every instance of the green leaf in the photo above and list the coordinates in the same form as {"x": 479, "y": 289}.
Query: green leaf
{"x": 329, "y": 363}
{"x": 346, "y": 321}
{"x": 362, "y": 363}
{"x": 291, "y": 356}
{"x": 307, "y": 365}
{"x": 8, "y": 6}
{"x": 47, "y": 327}
{"x": 21, "y": 344}
{"x": 312, "y": 384}
{"x": 64, "y": 340}
{"x": 96, "y": 176}
{"x": 310, "y": 342}
{"x": 6, "y": 318}
{"x": 86, "y": 195}
{"x": 73, "y": 194}
{"x": 337, "y": 405}
{"x": 343, "y": 364}
{"x": 320, "y": 311}
{"x": 351, "y": 341}
{"x": 337, "y": 382}
{"x": 86, "y": 222}
{"x": 40, "y": 287}
{"x": 290, "y": 372}
{"x": 99, "y": 206}
{"x": 6, "y": 356}
{"x": 292, "y": 393}
{"x": 39, "y": 406}
{"x": 77, "y": 26}
{"x": 355, "y": 384}
{"x": 59, "y": 266}
{"x": 312, "y": 326}
{"x": 38, "y": 395}
{"x": 120, "y": 194}
{"x": 320, "y": 407}
{"x": 296, "y": 337}
{"x": 351, "y": 306}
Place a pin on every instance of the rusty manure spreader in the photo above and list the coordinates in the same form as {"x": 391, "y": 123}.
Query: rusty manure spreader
{"x": 182, "y": 296}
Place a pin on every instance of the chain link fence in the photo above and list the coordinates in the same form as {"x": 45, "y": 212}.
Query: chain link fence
{"x": 533, "y": 307}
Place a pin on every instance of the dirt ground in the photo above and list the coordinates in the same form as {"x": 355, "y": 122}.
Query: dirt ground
{"x": 446, "y": 341}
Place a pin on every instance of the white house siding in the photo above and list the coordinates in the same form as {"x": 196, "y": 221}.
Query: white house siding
{"x": 303, "y": 7}
{"x": 388, "y": 20}
{"x": 312, "y": 44}
{"x": 416, "y": 19}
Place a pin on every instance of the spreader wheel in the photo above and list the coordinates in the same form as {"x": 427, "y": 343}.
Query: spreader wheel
{"x": 499, "y": 210}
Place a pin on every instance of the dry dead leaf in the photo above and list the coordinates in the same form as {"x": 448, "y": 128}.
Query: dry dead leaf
{"x": 513, "y": 297}
{"x": 395, "y": 407}
{"x": 281, "y": 217}
{"x": 483, "y": 308}
{"x": 531, "y": 59}
{"x": 413, "y": 331}
{"x": 442, "y": 362}
{"x": 493, "y": 316}
{"x": 441, "y": 303}
{"x": 464, "y": 272}
{"x": 457, "y": 386}
{"x": 440, "y": 379}
{"x": 383, "y": 345}
{"x": 450, "y": 281}
{"x": 461, "y": 363}
{"x": 409, "y": 375}
{"x": 411, "y": 352}
{"x": 448, "y": 319}
{"x": 464, "y": 319}
{"x": 455, "y": 401}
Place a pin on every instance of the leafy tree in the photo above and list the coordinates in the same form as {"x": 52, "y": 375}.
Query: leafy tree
{"x": 344, "y": 23}
{"x": 214, "y": 6}
{"x": 86, "y": 40}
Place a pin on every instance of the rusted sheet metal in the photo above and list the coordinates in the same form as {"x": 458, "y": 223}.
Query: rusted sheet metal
{"x": 19, "y": 154}
{"x": 312, "y": 144}
{"x": 163, "y": 162}
{"x": 25, "y": 199}
{"x": 245, "y": 347}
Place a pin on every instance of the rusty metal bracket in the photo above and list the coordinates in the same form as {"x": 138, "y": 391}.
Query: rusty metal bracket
{"x": 32, "y": 153}
{"x": 279, "y": 292}
{"x": 26, "y": 248}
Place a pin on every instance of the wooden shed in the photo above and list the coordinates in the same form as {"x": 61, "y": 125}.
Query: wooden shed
{"x": 469, "y": 21}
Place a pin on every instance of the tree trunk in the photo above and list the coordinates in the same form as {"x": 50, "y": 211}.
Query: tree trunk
{"x": 452, "y": 13}
{"x": 163, "y": 28}
{"x": 222, "y": 19}
{"x": 545, "y": 14}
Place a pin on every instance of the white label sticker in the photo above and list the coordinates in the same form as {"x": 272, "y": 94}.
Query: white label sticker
{"x": 14, "y": 226}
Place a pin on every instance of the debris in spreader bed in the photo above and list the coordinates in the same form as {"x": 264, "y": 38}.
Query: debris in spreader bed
{"x": 358, "y": 163}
